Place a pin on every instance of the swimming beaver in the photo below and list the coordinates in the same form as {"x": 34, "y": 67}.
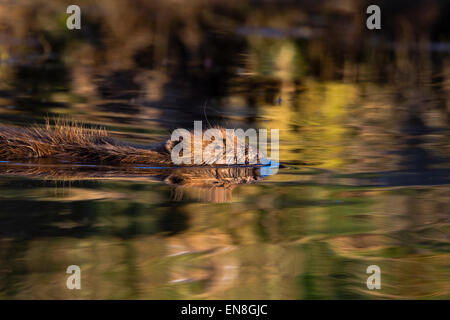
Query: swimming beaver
{"x": 76, "y": 144}
{"x": 71, "y": 152}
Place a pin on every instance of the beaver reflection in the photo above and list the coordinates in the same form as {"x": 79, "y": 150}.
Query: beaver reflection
{"x": 211, "y": 184}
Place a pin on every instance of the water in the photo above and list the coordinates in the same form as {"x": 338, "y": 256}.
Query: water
{"x": 363, "y": 143}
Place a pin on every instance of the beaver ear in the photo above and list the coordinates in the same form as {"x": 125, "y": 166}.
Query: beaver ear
{"x": 171, "y": 144}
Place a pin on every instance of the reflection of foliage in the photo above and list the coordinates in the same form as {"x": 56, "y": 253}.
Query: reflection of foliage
{"x": 343, "y": 99}
{"x": 154, "y": 58}
{"x": 273, "y": 242}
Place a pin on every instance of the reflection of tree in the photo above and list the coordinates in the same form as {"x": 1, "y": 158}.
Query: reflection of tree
{"x": 131, "y": 241}
{"x": 341, "y": 103}
{"x": 163, "y": 60}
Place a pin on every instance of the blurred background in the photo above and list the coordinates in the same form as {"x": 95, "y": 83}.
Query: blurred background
{"x": 363, "y": 118}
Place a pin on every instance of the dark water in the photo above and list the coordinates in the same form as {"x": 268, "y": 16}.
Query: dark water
{"x": 364, "y": 134}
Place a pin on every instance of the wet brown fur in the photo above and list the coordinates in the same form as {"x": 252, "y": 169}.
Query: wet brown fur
{"x": 76, "y": 144}
{"x": 71, "y": 142}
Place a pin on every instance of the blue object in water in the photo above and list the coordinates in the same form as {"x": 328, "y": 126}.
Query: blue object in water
{"x": 268, "y": 168}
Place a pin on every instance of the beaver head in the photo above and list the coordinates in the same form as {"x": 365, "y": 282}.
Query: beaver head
{"x": 214, "y": 146}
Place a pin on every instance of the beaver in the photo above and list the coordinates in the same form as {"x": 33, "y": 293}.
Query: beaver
{"x": 71, "y": 152}
{"x": 77, "y": 144}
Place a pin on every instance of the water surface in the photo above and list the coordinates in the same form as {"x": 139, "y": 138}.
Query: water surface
{"x": 364, "y": 143}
